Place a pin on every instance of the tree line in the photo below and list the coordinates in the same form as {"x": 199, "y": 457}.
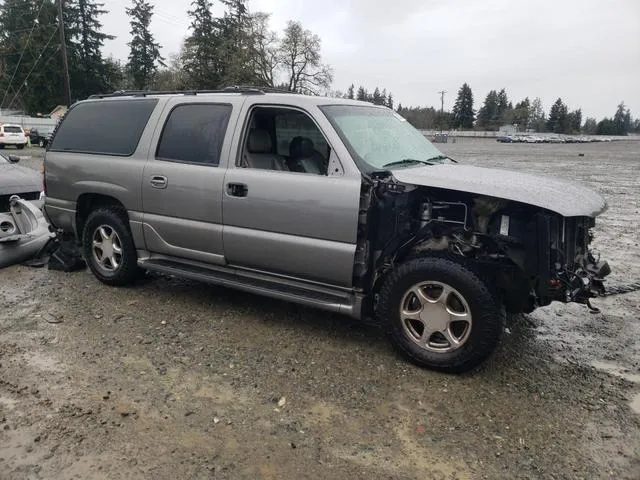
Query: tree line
{"x": 234, "y": 48}
{"x": 527, "y": 115}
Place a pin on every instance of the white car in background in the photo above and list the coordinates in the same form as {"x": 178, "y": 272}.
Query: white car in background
{"x": 12, "y": 135}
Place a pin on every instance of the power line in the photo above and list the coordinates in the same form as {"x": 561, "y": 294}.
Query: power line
{"x": 34, "y": 66}
{"x": 35, "y": 21}
{"x": 13, "y": 32}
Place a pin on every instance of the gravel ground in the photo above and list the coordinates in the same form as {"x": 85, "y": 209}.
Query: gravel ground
{"x": 174, "y": 379}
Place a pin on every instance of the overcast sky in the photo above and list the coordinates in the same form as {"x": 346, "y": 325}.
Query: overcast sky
{"x": 585, "y": 51}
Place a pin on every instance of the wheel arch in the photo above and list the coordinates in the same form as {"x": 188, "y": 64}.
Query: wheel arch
{"x": 88, "y": 202}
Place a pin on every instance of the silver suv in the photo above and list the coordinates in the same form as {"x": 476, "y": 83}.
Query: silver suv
{"x": 331, "y": 203}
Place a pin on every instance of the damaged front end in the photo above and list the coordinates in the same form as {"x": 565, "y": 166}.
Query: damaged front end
{"x": 530, "y": 255}
{"x": 577, "y": 274}
{"x": 24, "y": 232}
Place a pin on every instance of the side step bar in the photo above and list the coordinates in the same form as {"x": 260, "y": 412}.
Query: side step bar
{"x": 323, "y": 297}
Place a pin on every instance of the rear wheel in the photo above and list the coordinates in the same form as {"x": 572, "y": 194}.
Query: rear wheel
{"x": 441, "y": 314}
{"x": 108, "y": 246}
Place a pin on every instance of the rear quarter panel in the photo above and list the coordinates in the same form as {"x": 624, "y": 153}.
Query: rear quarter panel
{"x": 69, "y": 175}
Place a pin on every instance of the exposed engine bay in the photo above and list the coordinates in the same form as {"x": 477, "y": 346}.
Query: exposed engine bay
{"x": 532, "y": 256}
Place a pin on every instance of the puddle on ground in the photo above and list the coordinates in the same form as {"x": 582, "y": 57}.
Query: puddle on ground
{"x": 618, "y": 371}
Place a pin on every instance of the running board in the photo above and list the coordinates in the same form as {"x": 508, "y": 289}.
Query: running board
{"x": 325, "y": 298}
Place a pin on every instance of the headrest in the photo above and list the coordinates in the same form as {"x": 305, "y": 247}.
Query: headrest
{"x": 301, "y": 147}
{"x": 259, "y": 141}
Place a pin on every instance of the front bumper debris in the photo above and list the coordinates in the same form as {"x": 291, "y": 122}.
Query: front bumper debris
{"x": 24, "y": 232}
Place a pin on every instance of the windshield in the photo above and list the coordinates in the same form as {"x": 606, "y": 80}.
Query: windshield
{"x": 381, "y": 138}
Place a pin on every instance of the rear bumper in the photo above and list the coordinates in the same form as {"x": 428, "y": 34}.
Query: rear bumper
{"x": 13, "y": 141}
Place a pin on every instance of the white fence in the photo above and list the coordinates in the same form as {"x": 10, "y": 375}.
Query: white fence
{"x": 41, "y": 124}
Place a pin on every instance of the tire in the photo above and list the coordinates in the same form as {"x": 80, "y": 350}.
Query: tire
{"x": 440, "y": 314}
{"x": 1, "y": 146}
{"x": 116, "y": 262}
{"x": 20, "y": 147}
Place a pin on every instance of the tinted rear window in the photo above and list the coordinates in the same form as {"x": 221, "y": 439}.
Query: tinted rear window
{"x": 110, "y": 127}
{"x": 12, "y": 130}
{"x": 194, "y": 133}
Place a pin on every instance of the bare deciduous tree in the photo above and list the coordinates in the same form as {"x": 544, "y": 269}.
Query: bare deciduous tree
{"x": 301, "y": 60}
{"x": 266, "y": 56}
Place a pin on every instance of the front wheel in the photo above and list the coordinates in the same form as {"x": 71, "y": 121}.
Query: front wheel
{"x": 441, "y": 314}
{"x": 108, "y": 247}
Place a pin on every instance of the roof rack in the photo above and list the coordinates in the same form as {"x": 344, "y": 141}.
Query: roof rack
{"x": 245, "y": 90}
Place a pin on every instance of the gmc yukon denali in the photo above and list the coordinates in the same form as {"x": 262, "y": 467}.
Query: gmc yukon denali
{"x": 331, "y": 203}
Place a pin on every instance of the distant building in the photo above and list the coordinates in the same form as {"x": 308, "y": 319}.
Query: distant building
{"x": 58, "y": 112}
{"x": 508, "y": 130}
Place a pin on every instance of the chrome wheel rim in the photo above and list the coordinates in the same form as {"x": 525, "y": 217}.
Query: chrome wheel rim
{"x": 106, "y": 248}
{"x": 436, "y": 316}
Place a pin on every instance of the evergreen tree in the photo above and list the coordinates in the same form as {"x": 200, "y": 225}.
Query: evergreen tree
{"x": 383, "y": 98}
{"x": 504, "y": 115}
{"x": 362, "y": 94}
{"x": 235, "y": 45}
{"x": 521, "y": 113}
{"x": 463, "y": 113}
{"x": 590, "y": 126}
{"x": 144, "y": 55}
{"x": 351, "y": 92}
{"x": 606, "y": 126}
{"x": 376, "y": 99}
{"x": 88, "y": 70}
{"x": 489, "y": 111}
{"x": 536, "y": 115}
{"x": 575, "y": 121}
{"x": 558, "y": 118}
{"x": 390, "y": 101}
{"x": 622, "y": 120}
{"x": 200, "y": 57}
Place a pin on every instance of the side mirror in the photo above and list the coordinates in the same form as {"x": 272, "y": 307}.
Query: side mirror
{"x": 14, "y": 159}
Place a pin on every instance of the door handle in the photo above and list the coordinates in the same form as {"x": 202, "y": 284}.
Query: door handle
{"x": 237, "y": 189}
{"x": 158, "y": 181}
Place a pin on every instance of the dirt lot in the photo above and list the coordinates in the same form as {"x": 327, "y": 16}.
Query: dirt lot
{"x": 173, "y": 379}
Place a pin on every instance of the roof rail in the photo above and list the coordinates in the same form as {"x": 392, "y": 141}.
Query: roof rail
{"x": 246, "y": 90}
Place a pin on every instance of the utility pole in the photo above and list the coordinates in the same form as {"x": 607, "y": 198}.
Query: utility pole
{"x": 441, "y": 92}
{"x": 65, "y": 61}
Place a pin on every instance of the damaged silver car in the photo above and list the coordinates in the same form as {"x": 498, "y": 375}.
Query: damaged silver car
{"x": 24, "y": 232}
{"x": 327, "y": 202}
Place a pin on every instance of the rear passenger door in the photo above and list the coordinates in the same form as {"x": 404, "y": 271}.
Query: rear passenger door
{"x": 183, "y": 179}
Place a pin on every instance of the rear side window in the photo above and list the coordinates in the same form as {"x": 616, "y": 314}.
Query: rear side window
{"x": 194, "y": 133}
{"x": 110, "y": 127}
{"x": 12, "y": 130}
